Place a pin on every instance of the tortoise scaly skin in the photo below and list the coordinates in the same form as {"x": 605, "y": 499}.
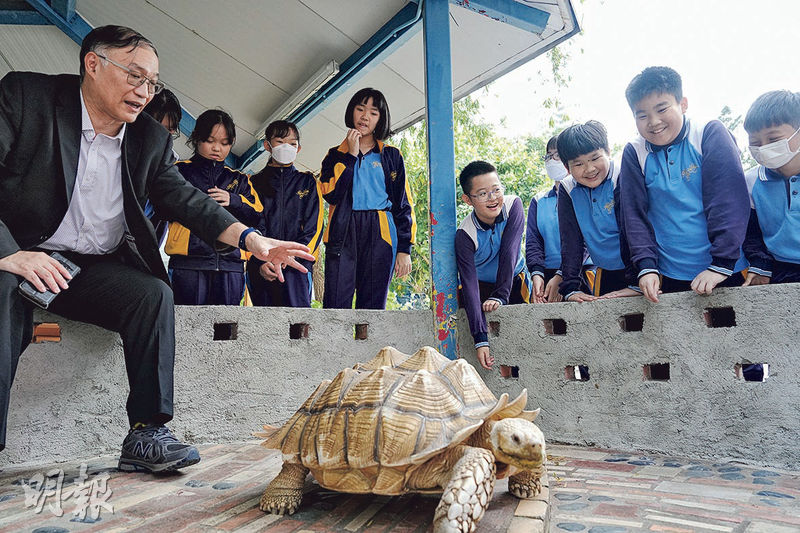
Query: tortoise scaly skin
{"x": 398, "y": 424}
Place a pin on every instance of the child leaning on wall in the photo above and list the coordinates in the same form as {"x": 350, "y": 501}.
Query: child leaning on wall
{"x": 200, "y": 274}
{"x": 491, "y": 266}
{"x": 589, "y": 216}
{"x": 292, "y": 211}
{"x": 772, "y": 245}
{"x": 371, "y": 224}
{"x": 684, "y": 196}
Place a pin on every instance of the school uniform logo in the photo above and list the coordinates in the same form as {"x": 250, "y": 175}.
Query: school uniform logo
{"x": 609, "y": 207}
{"x": 376, "y": 164}
{"x": 687, "y": 173}
{"x": 303, "y": 193}
{"x": 393, "y": 175}
{"x": 232, "y": 185}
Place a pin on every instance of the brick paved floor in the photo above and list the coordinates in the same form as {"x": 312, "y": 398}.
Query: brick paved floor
{"x": 591, "y": 490}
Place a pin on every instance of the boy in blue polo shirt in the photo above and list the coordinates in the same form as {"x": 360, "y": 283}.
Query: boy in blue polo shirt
{"x": 489, "y": 257}
{"x": 773, "y": 235}
{"x": 683, "y": 193}
{"x": 588, "y": 214}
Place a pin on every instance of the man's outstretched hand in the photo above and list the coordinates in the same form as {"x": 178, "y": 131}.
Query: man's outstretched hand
{"x": 278, "y": 254}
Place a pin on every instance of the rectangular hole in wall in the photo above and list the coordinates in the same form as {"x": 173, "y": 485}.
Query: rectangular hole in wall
{"x": 360, "y": 332}
{"x": 555, "y": 326}
{"x": 507, "y": 371}
{"x": 226, "y": 331}
{"x": 656, "y": 372}
{"x": 46, "y": 332}
{"x": 494, "y": 328}
{"x": 757, "y": 372}
{"x": 633, "y": 322}
{"x": 298, "y": 331}
{"x": 719, "y": 317}
{"x": 576, "y": 373}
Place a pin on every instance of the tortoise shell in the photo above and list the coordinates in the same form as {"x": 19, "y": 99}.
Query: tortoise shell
{"x": 368, "y": 427}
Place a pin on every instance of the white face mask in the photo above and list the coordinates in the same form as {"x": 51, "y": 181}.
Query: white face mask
{"x": 284, "y": 154}
{"x": 774, "y": 155}
{"x": 556, "y": 170}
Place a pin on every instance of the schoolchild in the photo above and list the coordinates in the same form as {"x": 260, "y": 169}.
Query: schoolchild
{"x": 684, "y": 196}
{"x": 491, "y": 265}
{"x": 589, "y": 215}
{"x": 371, "y": 224}
{"x": 292, "y": 210}
{"x": 200, "y": 274}
{"x": 772, "y": 245}
{"x": 542, "y": 239}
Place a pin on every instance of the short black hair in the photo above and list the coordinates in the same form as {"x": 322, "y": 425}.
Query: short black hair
{"x": 281, "y": 128}
{"x": 581, "y": 139}
{"x": 205, "y": 124}
{"x": 112, "y": 37}
{"x": 773, "y": 109}
{"x": 476, "y": 168}
{"x": 165, "y": 105}
{"x": 550, "y": 144}
{"x": 383, "y": 127}
{"x": 651, "y": 80}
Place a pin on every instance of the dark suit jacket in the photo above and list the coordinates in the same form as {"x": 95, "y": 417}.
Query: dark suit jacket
{"x": 40, "y": 129}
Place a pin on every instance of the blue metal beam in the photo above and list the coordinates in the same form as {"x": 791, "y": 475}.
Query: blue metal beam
{"x": 391, "y": 36}
{"x": 22, "y": 17}
{"x": 519, "y": 15}
{"x": 441, "y": 170}
{"x": 76, "y": 29}
{"x": 65, "y": 8}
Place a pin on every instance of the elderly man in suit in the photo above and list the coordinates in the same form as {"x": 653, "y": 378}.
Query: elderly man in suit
{"x": 78, "y": 161}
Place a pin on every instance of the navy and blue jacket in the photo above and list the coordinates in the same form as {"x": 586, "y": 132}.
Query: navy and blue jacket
{"x": 685, "y": 205}
{"x": 589, "y": 219}
{"x": 292, "y": 207}
{"x": 189, "y": 251}
{"x": 336, "y": 184}
{"x": 542, "y": 237}
{"x": 773, "y": 232}
{"x": 489, "y": 254}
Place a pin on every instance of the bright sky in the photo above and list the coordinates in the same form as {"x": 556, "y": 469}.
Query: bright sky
{"x": 728, "y": 52}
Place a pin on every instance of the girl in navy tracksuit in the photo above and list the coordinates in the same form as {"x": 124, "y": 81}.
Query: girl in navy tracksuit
{"x": 371, "y": 222}
{"x": 201, "y": 274}
{"x": 292, "y": 212}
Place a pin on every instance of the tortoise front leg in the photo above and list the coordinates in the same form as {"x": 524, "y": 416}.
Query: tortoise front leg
{"x": 467, "y": 493}
{"x": 526, "y": 484}
{"x": 284, "y": 493}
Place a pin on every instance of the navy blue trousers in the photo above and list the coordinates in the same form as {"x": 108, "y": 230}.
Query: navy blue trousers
{"x": 206, "y": 287}
{"x": 365, "y": 264}
{"x": 785, "y": 272}
{"x": 295, "y": 291}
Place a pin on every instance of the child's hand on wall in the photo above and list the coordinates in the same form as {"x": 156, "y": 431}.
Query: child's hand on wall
{"x": 485, "y": 358}
{"x": 538, "y": 289}
{"x": 551, "y": 294}
{"x": 490, "y": 305}
{"x": 650, "y": 285}
{"x": 581, "y": 297}
{"x": 755, "y": 279}
{"x": 622, "y": 293}
{"x": 706, "y": 280}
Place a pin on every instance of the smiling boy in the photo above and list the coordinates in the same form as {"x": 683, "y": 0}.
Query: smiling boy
{"x": 683, "y": 193}
{"x": 773, "y": 235}
{"x": 489, "y": 256}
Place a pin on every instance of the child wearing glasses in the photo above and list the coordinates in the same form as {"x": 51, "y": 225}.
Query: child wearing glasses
{"x": 488, "y": 246}
{"x": 202, "y": 275}
{"x": 371, "y": 224}
{"x": 589, "y": 216}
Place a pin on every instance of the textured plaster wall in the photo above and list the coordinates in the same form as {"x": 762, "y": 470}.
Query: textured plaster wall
{"x": 68, "y": 398}
{"x": 703, "y": 410}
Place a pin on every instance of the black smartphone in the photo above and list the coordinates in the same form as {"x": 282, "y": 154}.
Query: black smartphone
{"x": 43, "y": 299}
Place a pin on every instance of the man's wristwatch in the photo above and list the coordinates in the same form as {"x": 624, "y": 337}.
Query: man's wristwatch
{"x": 243, "y": 237}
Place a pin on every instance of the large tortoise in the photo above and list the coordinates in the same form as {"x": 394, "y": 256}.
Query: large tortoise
{"x": 399, "y": 424}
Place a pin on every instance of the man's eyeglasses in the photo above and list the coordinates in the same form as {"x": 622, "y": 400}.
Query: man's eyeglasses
{"x": 485, "y": 196}
{"x": 136, "y": 79}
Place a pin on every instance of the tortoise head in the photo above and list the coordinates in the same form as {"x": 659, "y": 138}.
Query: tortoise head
{"x": 517, "y": 442}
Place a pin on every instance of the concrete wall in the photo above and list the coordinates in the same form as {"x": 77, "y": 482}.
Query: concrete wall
{"x": 67, "y": 401}
{"x": 702, "y": 411}
{"x": 68, "y": 398}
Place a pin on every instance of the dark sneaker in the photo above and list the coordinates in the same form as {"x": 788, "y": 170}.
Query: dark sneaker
{"x": 155, "y": 449}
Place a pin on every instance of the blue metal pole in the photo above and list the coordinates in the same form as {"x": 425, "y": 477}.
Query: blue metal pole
{"x": 441, "y": 170}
